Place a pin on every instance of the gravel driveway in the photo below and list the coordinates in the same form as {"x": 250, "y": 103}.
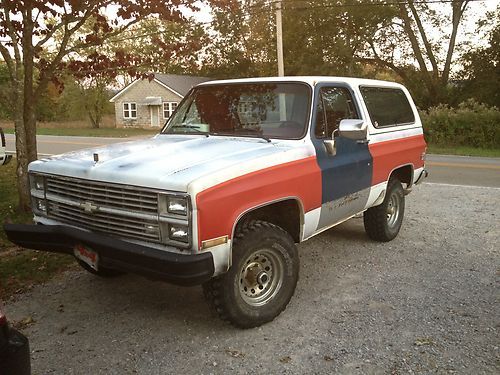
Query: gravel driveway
{"x": 427, "y": 302}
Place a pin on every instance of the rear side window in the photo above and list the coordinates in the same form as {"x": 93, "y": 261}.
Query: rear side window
{"x": 387, "y": 106}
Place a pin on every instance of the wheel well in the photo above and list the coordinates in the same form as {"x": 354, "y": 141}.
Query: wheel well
{"x": 285, "y": 214}
{"x": 404, "y": 174}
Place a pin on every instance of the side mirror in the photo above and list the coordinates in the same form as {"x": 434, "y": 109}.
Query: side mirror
{"x": 353, "y": 129}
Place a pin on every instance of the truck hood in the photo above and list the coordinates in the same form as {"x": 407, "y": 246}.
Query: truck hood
{"x": 166, "y": 162}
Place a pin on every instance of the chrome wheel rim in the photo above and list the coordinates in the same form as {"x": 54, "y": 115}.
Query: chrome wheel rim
{"x": 261, "y": 277}
{"x": 393, "y": 209}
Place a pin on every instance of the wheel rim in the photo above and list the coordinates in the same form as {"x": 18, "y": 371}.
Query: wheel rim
{"x": 393, "y": 210}
{"x": 261, "y": 277}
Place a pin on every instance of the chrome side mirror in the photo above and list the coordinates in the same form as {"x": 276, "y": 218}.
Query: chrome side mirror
{"x": 353, "y": 129}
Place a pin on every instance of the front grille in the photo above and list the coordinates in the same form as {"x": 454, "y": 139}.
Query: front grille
{"x": 119, "y": 210}
{"x": 104, "y": 222}
{"x": 102, "y": 194}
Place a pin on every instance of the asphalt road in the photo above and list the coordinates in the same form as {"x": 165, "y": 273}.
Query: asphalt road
{"x": 456, "y": 170}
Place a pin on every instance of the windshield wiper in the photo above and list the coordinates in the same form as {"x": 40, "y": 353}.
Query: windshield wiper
{"x": 194, "y": 128}
{"x": 248, "y": 135}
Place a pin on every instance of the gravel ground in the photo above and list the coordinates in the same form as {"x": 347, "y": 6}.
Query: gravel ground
{"x": 427, "y": 302}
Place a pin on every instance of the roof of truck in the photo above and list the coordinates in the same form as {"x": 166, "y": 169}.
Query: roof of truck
{"x": 311, "y": 80}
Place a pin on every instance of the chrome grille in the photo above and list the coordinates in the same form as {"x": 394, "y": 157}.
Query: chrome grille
{"x": 119, "y": 210}
{"x": 109, "y": 195}
{"x": 105, "y": 222}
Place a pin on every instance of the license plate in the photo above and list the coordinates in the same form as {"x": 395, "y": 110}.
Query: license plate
{"x": 87, "y": 255}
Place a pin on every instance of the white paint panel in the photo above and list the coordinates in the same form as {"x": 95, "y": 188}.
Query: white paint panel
{"x": 416, "y": 174}
{"x": 222, "y": 257}
{"x": 375, "y": 192}
{"x": 395, "y": 134}
{"x": 311, "y": 220}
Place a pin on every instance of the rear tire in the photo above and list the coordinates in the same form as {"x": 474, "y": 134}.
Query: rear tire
{"x": 383, "y": 222}
{"x": 262, "y": 279}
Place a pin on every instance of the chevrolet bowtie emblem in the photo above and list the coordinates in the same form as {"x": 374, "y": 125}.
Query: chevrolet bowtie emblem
{"x": 89, "y": 207}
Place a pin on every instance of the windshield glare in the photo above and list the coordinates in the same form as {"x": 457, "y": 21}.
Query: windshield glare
{"x": 268, "y": 110}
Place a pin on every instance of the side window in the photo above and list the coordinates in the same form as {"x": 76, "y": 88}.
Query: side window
{"x": 334, "y": 105}
{"x": 387, "y": 106}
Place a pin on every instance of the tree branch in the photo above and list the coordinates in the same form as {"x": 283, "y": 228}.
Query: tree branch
{"x": 416, "y": 48}
{"x": 423, "y": 35}
{"x": 458, "y": 10}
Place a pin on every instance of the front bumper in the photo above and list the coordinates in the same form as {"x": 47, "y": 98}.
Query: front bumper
{"x": 116, "y": 254}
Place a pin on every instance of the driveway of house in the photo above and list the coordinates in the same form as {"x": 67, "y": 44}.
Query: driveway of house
{"x": 426, "y": 302}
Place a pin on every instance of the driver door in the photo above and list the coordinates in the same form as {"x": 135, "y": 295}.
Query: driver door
{"x": 346, "y": 174}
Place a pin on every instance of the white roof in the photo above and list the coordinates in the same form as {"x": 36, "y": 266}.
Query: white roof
{"x": 310, "y": 80}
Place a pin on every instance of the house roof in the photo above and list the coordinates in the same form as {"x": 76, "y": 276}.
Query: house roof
{"x": 179, "y": 84}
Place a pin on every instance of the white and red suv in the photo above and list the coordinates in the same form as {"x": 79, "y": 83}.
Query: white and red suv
{"x": 242, "y": 171}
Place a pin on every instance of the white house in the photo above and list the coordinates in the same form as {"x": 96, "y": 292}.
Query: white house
{"x": 145, "y": 103}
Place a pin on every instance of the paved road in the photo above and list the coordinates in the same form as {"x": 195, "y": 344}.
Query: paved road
{"x": 457, "y": 170}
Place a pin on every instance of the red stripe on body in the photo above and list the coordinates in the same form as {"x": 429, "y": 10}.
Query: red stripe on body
{"x": 219, "y": 206}
{"x": 389, "y": 155}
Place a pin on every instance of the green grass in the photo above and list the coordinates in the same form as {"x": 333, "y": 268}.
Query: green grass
{"x": 462, "y": 150}
{"x": 89, "y": 132}
{"x": 9, "y": 201}
{"x": 20, "y": 269}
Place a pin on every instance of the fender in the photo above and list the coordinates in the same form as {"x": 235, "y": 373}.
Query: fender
{"x": 297, "y": 199}
{"x": 219, "y": 207}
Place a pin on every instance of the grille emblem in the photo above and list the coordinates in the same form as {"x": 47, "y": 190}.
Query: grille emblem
{"x": 89, "y": 207}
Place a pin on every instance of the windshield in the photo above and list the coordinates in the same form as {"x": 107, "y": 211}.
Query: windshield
{"x": 266, "y": 110}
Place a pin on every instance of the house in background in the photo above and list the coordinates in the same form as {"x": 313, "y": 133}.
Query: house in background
{"x": 145, "y": 103}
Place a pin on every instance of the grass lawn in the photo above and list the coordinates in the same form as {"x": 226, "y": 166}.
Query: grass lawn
{"x": 20, "y": 269}
{"x": 463, "y": 151}
{"x": 89, "y": 132}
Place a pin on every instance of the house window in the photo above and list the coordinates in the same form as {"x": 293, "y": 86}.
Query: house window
{"x": 130, "y": 110}
{"x": 168, "y": 109}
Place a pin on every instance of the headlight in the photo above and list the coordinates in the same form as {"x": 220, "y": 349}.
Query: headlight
{"x": 40, "y": 205}
{"x": 37, "y": 182}
{"x": 178, "y": 206}
{"x": 178, "y": 232}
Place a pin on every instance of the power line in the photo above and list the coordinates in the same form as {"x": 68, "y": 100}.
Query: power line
{"x": 347, "y": 5}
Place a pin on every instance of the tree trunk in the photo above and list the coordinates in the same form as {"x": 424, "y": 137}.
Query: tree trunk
{"x": 24, "y": 113}
{"x": 21, "y": 149}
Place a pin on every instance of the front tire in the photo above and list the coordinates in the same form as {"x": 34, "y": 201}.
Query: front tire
{"x": 383, "y": 222}
{"x": 262, "y": 279}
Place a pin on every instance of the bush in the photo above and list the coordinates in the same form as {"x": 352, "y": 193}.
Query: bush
{"x": 470, "y": 124}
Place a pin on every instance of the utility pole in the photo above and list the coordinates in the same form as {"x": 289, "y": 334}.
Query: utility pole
{"x": 279, "y": 39}
{"x": 281, "y": 67}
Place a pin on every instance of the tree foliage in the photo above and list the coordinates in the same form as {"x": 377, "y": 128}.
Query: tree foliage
{"x": 480, "y": 75}
{"x": 35, "y": 57}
